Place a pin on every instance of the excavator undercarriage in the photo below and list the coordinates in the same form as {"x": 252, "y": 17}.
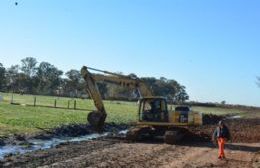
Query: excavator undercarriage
{"x": 171, "y": 135}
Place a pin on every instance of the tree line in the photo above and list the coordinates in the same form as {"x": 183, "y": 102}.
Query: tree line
{"x": 31, "y": 77}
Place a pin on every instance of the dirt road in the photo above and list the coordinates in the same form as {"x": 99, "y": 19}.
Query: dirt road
{"x": 118, "y": 153}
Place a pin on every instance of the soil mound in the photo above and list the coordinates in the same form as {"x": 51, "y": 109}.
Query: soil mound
{"x": 242, "y": 130}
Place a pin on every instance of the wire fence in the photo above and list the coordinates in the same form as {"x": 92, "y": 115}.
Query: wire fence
{"x": 54, "y": 101}
{"x": 48, "y": 101}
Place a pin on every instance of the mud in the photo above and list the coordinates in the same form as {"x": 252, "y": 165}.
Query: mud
{"x": 115, "y": 153}
{"x": 73, "y": 130}
{"x": 196, "y": 150}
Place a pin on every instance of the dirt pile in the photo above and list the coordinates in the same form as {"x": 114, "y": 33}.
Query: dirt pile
{"x": 242, "y": 130}
{"x": 84, "y": 129}
{"x": 209, "y": 119}
{"x": 74, "y": 130}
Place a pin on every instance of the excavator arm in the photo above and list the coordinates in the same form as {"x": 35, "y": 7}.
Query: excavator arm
{"x": 98, "y": 117}
{"x": 95, "y": 118}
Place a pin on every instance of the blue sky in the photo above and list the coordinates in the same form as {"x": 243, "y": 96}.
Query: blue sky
{"x": 211, "y": 47}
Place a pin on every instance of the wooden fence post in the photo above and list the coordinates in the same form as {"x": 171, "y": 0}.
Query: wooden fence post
{"x": 75, "y": 104}
{"x": 55, "y": 103}
{"x": 68, "y": 104}
{"x": 12, "y": 98}
{"x": 34, "y": 101}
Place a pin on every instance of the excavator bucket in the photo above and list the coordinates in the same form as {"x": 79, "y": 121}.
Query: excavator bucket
{"x": 96, "y": 120}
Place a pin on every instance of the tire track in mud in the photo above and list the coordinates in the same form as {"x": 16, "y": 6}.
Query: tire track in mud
{"x": 188, "y": 157}
{"x": 131, "y": 155}
{"x": 124, "y": 155}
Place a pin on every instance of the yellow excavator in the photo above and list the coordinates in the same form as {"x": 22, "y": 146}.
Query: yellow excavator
{"x": 154, "y": 118}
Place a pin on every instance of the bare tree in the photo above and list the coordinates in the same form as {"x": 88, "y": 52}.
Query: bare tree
{"x": 29, "y": 66}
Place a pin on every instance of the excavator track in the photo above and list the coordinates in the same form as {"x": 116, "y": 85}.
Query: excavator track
{"x": 135, "y": 133}
{"x": 170, "y": 135}
{"x": 173, "y": 137}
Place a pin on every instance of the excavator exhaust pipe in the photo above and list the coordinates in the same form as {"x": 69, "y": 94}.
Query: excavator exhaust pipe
{"x": 97, "y": 120}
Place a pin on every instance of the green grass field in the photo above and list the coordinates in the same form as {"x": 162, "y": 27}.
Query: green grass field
{"x": 17, "y": 119}
{"x": 22, "y": 119}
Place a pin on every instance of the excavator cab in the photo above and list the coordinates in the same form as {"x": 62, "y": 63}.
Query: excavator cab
{"x": 153, "y": 109}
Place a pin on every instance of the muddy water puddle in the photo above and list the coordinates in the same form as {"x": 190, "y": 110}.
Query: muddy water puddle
{"x": 39, "y": 144}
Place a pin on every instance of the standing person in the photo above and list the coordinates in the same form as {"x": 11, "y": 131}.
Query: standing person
{"x": 221, "y": 135}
